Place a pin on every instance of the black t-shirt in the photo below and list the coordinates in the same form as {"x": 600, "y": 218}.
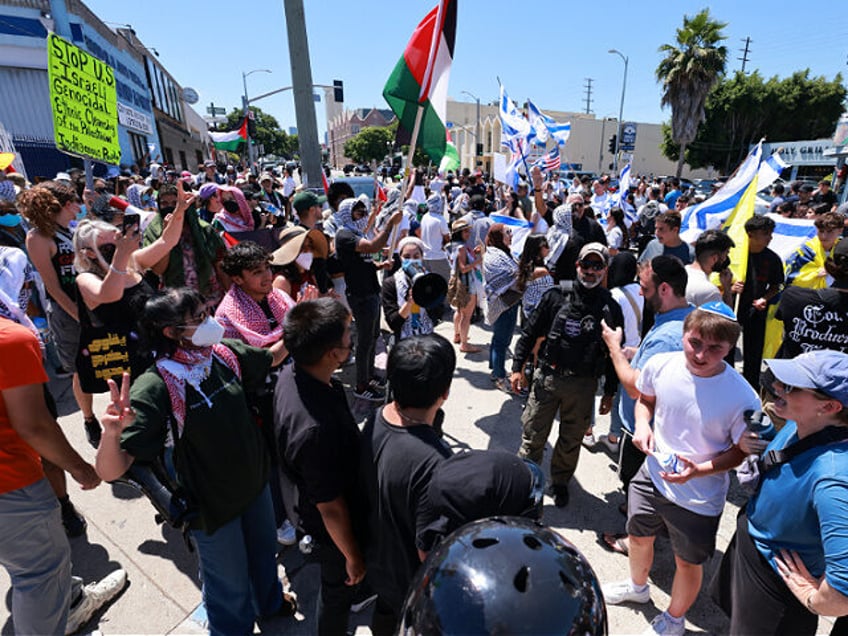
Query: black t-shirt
{"x": 589, "y": 230}
{"x": 813, "y": 319}
{"x": 821, "y": 197}
{"x": 765, "y": 269}
{"x": 318, "y": 447}
{"x": 359, "y": 269}
{"x": 397, "y": 464}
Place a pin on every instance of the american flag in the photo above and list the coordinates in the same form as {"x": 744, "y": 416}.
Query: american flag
{"x": 550, "y": 160}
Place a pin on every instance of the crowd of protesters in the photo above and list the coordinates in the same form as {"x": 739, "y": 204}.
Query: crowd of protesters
{"x": 216, "y": 308}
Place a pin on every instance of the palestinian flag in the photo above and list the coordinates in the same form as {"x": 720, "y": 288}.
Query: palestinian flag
{"x": 450, "y": 160}
{"x": 231, "y": 140}
{"x": 421, "y": 77}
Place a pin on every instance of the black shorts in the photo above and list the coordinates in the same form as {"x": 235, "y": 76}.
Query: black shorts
{"x": 649, "y": 512}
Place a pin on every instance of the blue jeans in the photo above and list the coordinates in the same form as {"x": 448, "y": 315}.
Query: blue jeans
{"x": 36, "y": 554}
{"x": 238, "y": 568}
{"x": 502, "y": 332}
{"x": 615, "y": 417}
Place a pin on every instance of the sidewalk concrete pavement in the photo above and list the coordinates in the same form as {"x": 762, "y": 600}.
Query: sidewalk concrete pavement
{"x": 163, "y": 594}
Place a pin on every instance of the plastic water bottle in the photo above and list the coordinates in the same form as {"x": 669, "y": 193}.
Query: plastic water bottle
{"x": 41, "y": 324}
{"x": 668, "y": 461}
{"x": 306, "y": 544}
{"x": 759, "y": 423}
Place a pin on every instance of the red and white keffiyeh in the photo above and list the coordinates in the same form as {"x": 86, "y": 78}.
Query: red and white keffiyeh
{"x": 243, "y": 318}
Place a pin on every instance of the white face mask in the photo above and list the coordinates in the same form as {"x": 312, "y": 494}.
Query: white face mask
{"x": 304, "y": 259}
{"x": 208, "y": 333}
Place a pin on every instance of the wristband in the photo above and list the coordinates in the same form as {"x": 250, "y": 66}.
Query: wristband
{"x": 117, "y": 271}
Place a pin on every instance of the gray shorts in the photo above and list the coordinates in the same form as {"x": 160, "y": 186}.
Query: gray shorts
{"x": 65, "y": 333}
{"x": 648, "y": 512}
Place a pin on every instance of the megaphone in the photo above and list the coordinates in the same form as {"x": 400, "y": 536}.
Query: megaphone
{"x": 429, "y": 289}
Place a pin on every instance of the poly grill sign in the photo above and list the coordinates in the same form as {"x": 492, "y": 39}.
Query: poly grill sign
{"x": 84, "y": 102}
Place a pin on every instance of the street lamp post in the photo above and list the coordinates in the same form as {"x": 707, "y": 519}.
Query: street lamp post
{"x": 478, "y": 145}
{"x": 621, "y": 107}
{"x": 246, "y": 108}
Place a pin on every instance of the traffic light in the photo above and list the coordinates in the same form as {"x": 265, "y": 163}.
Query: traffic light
{"x": 338, "y": 91}
{"x": 612, "y": 141}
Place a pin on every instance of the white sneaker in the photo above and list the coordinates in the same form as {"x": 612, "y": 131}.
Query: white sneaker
{"x": 664, "y": 625}
{"x": 589, "y": 440}
{"x": 95, "y": 596}
{"x": 624, "y": 592}
{"x": 286, "y": 534}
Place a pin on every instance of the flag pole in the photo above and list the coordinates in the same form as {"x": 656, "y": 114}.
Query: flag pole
{"x": 419, "y": 114}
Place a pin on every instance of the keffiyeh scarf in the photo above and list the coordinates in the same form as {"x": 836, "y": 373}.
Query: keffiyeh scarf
{"x": 243, "y": 318}
{"x": 192, "y": 368}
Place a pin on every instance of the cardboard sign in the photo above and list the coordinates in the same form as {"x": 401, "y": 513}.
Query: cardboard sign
{"x": 84, "y": 102}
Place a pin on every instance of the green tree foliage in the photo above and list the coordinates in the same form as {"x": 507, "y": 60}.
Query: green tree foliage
{"x": 268, "y": 132}
{"x": 742, "y": 109}
{"x": 688, "y": 71}
{"x": 371, "y": 144}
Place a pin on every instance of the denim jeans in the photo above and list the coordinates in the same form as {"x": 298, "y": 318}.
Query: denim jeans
{"x": 615, "y": 417}
{"x": 35, "y": 552}
{"x": 366, "y": 313}
{"x": 238, "y": 568}
{"x": 502, "y": 332}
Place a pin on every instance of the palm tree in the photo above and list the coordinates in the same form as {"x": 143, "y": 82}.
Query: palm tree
{"x": 688, "y": 72}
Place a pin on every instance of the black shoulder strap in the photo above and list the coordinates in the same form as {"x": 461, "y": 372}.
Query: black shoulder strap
{"x": 829, "y": 435}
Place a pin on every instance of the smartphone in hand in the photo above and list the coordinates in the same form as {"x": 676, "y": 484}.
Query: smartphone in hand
{"x": 130, "y": 220}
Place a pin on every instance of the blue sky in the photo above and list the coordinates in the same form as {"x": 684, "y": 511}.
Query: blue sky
{"x": 544, "y": 53}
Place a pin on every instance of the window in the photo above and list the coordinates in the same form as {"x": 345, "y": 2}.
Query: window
{"x": 183, "y": 162}
{"x": 169, "y": 156}
{"x": 199, "y": 156}
{"x": 139, "y": 146}
{"x": 354, "y": 129}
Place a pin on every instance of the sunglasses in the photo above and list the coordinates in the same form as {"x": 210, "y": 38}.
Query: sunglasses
{"x": 788, "y": 388}
{"x": 593, "y": 265}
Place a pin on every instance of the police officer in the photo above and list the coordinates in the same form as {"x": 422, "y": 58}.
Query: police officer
{"x": 571, "y": 359}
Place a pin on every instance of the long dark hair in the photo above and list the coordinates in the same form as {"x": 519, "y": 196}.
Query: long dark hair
{"x": 531, "y": 258}
{"x": 495, "y": 237}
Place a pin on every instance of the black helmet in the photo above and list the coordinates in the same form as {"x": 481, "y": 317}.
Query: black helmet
{"x": 505, "y": 575}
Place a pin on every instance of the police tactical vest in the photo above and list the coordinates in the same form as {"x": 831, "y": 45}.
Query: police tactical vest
{"x": 574, "y": 343}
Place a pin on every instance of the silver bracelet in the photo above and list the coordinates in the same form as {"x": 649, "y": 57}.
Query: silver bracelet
{"x": 117, "y": 271}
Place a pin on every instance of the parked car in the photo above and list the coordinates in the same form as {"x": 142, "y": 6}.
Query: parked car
{"x": 360, "y": 185}
{"x": 362, "y": 168}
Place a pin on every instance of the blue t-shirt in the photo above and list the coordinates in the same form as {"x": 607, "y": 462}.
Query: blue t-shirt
{"x": 802, "y": 505}
{"x": 666, "y": 335}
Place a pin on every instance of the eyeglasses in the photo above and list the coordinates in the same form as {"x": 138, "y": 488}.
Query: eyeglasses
{"x": 196, "y": 320}
{"x": 788, "y": 388}
{"x": 593, "y": 265}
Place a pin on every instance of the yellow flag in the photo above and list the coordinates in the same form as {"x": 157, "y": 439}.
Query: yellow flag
{"x": 735, "y": 227}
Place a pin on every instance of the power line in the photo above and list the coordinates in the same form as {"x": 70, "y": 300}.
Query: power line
{"x": 744, "y": 57}
{"x": 588, "y": 87}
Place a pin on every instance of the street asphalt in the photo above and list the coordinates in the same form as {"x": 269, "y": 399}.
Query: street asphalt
{"x": 163, "y": 594}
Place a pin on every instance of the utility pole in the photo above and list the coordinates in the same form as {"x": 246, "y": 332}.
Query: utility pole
{"x": 744, "y": 57}
{"x": 588, "y": 87}
{"x": 304, "y": 104}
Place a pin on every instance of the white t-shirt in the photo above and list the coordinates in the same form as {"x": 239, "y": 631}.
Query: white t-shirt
{"x": 288, "y": 186}
{"x": 615, "y": 237}
{"x": 699, "y": 289}
{"x": 696, "y": 418}
{"x": 600, "y": 203}
{"x": 632, "y": 322}
{"x": 433, "y": 229}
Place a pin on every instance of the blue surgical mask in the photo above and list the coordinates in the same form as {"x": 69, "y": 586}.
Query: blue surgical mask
{"x": 83, "y": 212}
{"x": 10, "y": 220}
{"x": 413, "y": 266}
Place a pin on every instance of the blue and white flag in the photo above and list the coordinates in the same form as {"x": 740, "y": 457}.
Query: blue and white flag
{"x": 513, "y": 125}
{"x": 770, "y": 170}
{"x": 544, "y": 127}
{"x": 713, "y": 212}
{"x": 789, "y": 235}
{"x": 620, "y": 198}
{"x": 521, "y": 229}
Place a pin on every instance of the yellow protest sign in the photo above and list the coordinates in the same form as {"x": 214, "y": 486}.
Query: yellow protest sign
{"x": 84, "y": 102}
